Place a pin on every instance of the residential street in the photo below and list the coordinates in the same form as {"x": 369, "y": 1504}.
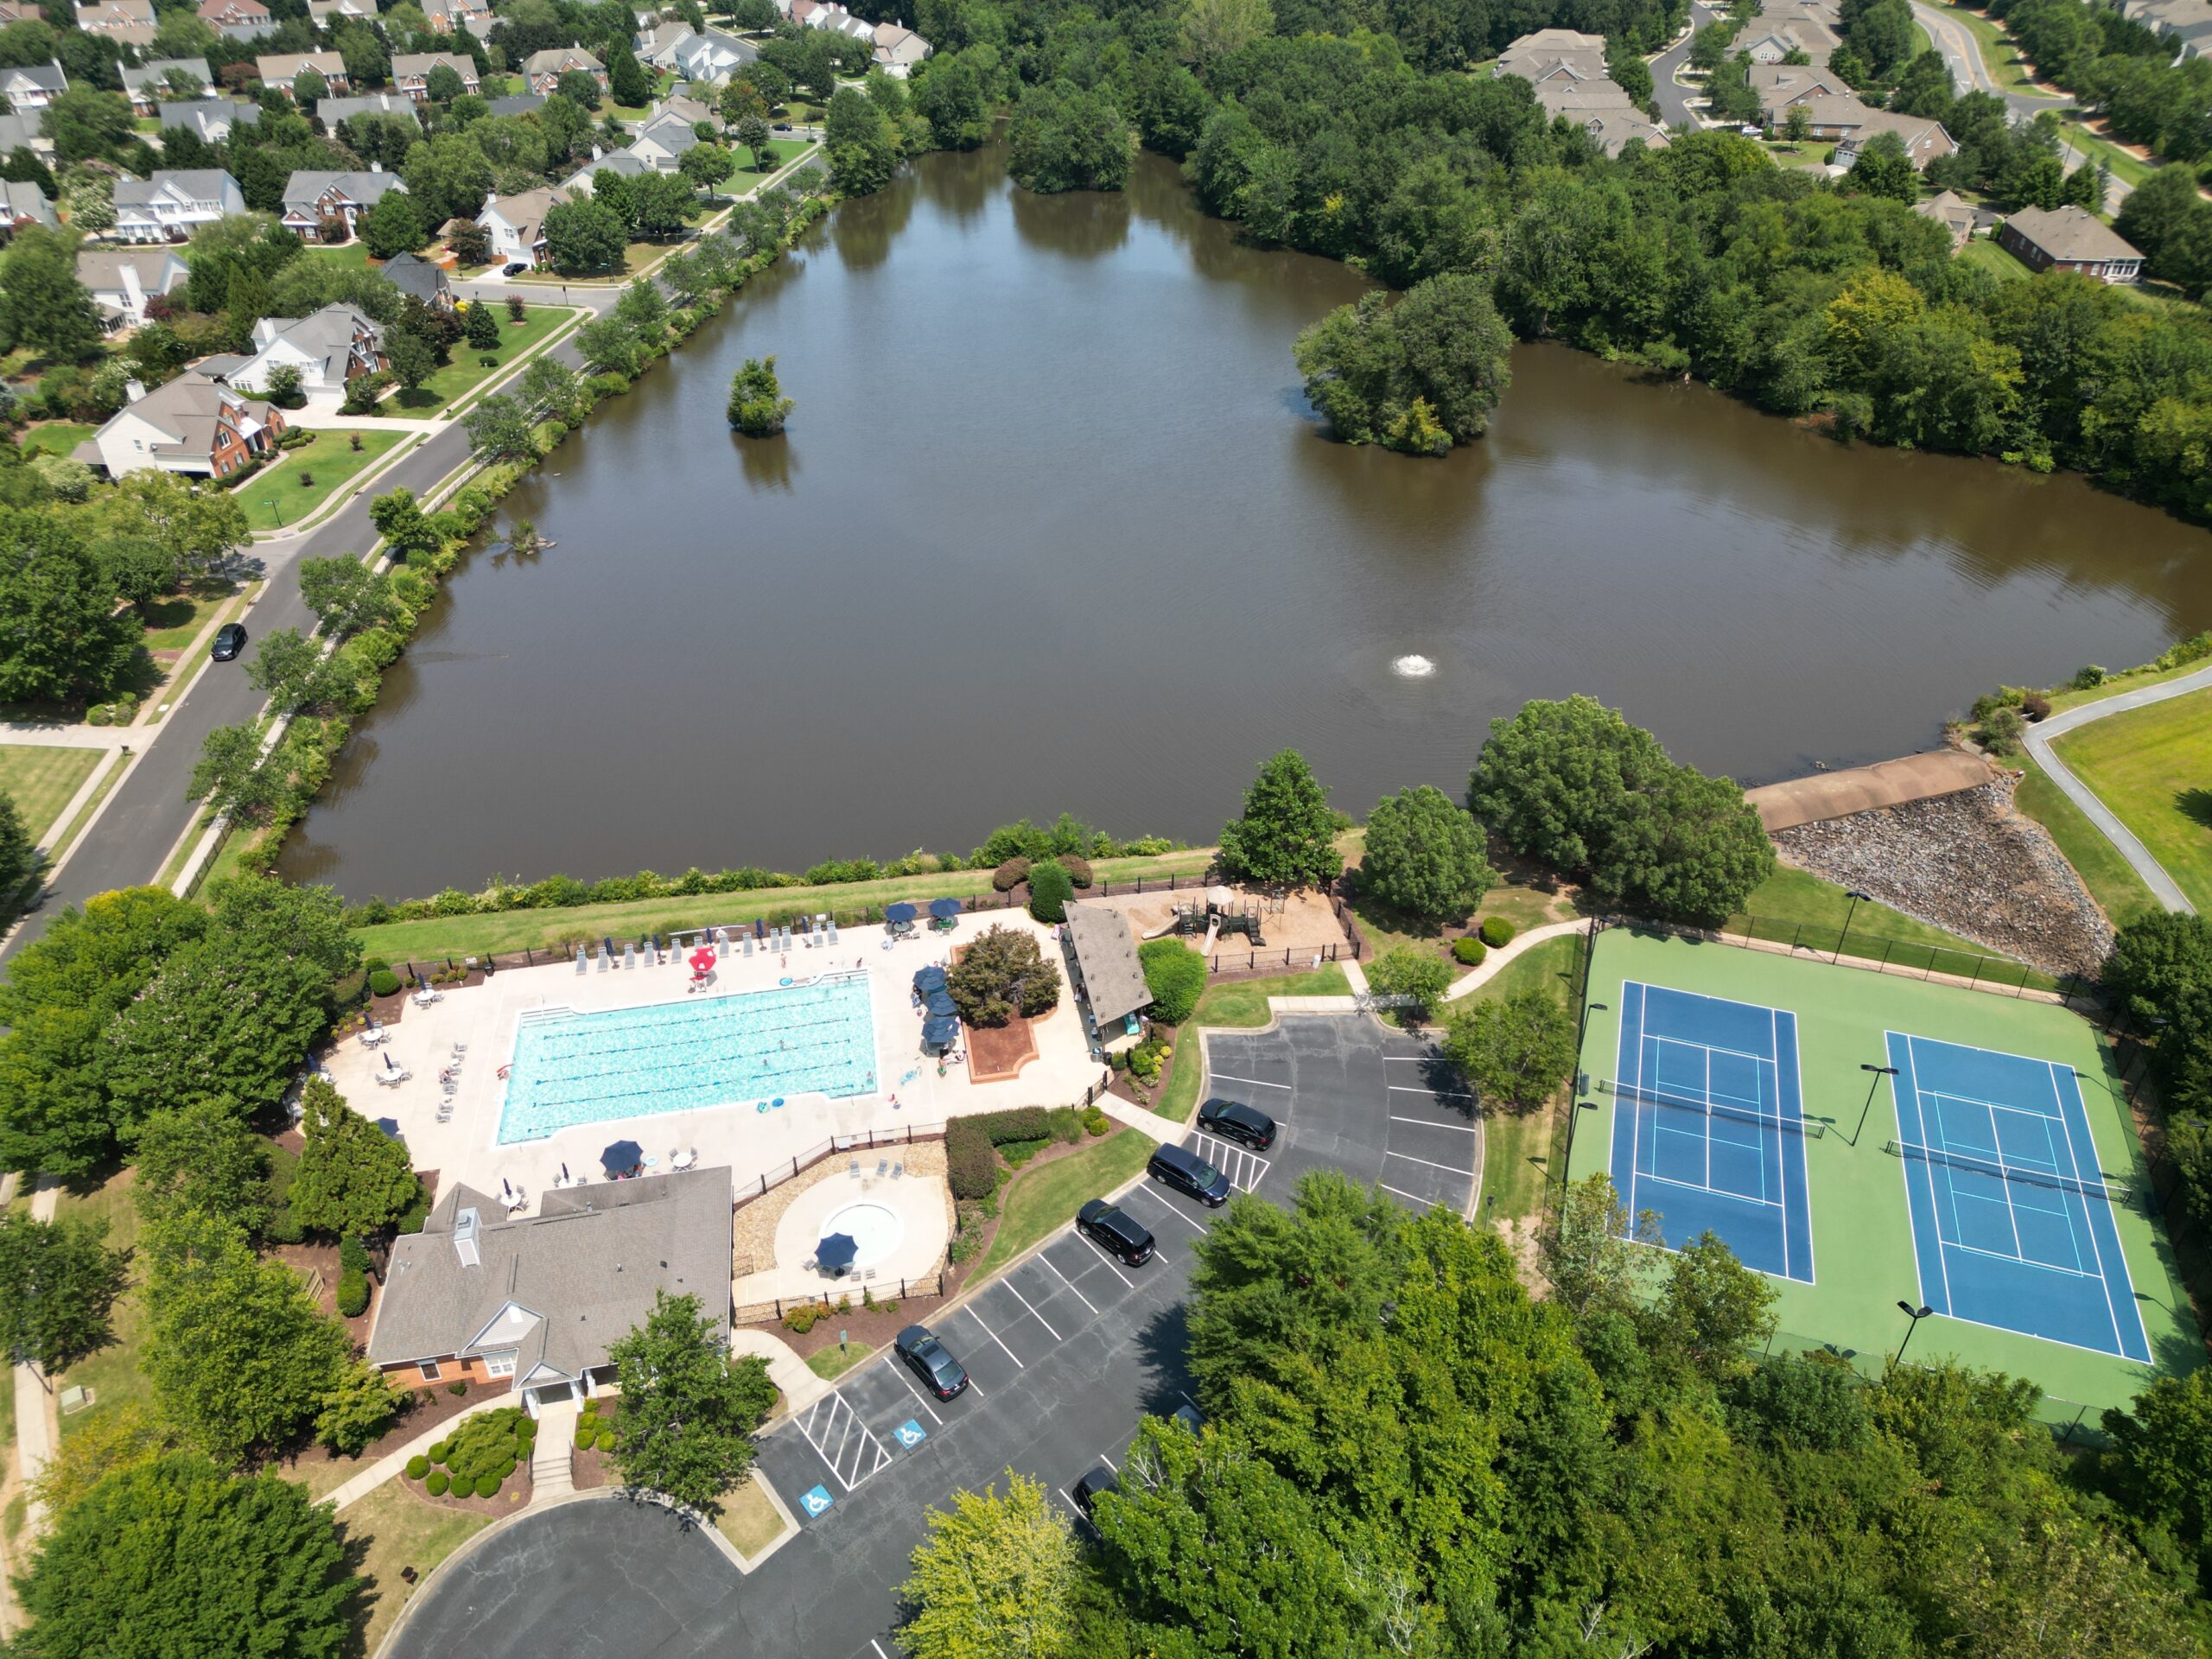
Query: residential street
{"x": 1674, "y": 100}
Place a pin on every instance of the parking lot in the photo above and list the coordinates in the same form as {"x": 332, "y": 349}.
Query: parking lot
{"x": 1066, "y": 1352}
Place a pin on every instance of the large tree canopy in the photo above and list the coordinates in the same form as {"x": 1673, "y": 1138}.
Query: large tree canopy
{"x": 1424, "y": 855}
{"x": 1288, "y": 834}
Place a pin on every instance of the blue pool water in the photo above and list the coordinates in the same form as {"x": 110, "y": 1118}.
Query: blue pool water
{"x": 675, "y": 1056}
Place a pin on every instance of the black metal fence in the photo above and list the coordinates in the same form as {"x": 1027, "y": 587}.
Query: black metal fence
{"x": 905, "y": 1135}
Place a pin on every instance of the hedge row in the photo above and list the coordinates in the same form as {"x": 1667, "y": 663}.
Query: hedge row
{"x": 971, "y": 1144}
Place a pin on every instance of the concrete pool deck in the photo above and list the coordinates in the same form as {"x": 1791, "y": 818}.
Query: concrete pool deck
{"x": 752, "y": 1143}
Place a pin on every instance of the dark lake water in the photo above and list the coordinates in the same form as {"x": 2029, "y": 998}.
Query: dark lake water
{"x": 1052, "y": 530}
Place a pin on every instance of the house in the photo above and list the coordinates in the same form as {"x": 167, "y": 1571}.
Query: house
{"x": 2070, "y": 239}
{"x": 1771, "y": 43}
{"x": 210, "y": 119}
{"x": 656, "y": 46}
{"x": 331, "y": 348}
{"x": 32, "y": 89}
{"x": 325, "y": 206}
{"x": 685, "y": 109}
{"x": 463, "y": 16}
{"x": 194, "y": 425}
{"x": 2186, "y": 23}
{"x": 410, "y": 72}
{"x": 519, "y": 104}
{"x": 663, "y": 141}
{"x": 711, "y": 58}
{"x": 1104, "y": 974}
{"x": 23, "y": 203}
{"x": 122, "y": 280}
{"x": 426, "y": 281}
{"x": 282, "y": 69}
{"x": 237, "y": 20}
{"x": 898, "y": 50}
{"x": 516, "y": 225}
{"x": 544, "y": 70}
{"x": 1613, "y": 131}
{"x": 536, "y": 1302}
{"x": 327, "y": 14}
{"x": 171, "y": 78}
{"x": 1953, "y": 212}
{"x": 333, "y": 111}
{"x": 1577, "y": 98}
{"x": 173, "y": 203}
{"x": 1925, "y": 140}
{"x": 1781, "y": 84}
{"x": 130, "y": 22}
{"x": 837, "y": 20}
{"x": 21, "y": 132}
{"x": 1829, "y": 115}
{"x": 1553, "y": 52}
{"x": 621, "y": 162}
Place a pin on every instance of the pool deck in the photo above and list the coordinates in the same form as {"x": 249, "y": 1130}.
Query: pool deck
{"x": 752, "y": 1144}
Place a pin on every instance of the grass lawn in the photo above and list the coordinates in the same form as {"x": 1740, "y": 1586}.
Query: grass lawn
{"x": 112, "y": 1374}
{"x": 829, "y": 1364}
{"x": 353, "y": 254}
{"x": 1388, "y": 929}
{"x": 782, "y": 152}
{"x": 398, "y": 1530}
{"x": 1998, "y": 54}
{"x": 1240, "y": 1002}
{"x": 1791, "y": 899}
{"x": 68, "y": 831}
{"x": 276, "y": 496}
{"x": 2153, "y": 768}
{"x": 1038, "y": 1202}
{"x": 1979, "y": 251}
{"x": 2119, "y": 680}
{"x": 43, "y": 780}
{"x": 467, "y": 371}
{"x": 1518, "y": 1146}
{"x": 173, "y": 623}
{"x": 2111, "y": 880}
{"x": 749, "y": 1521}
{"x": 55, "y": 437}
{"x": 460, "y": 936}
{"x": 2124, "y": 165}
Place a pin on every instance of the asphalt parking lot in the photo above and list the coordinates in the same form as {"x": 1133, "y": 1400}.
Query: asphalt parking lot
{"x": 1066, "y": 1351}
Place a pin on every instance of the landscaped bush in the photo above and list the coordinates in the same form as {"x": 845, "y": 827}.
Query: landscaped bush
{"x": 437, "y": 1485}
{"x": 487, "y": 1485}
{"x": 438, "y": 1450}
{"x": 1468, "y": 949}
{"x": 1094, "y": 1120}
{"x": 1147, "y": 1058}
{"x": 383, "y": 983}
{"x": 2036, "y": 706}
{"x": 804, "y": 1318}
{"x": 2088, "y": 678}
{"x": 352, "y": 1294}
{"x": 417, "y": 1466}
{"x": 605, "y": 1442}
{"x": 1078, "y": 869}
{"x": 971, "y": 1166}
{"x": 1496, "y": 930}
{"x": 353, "y": 1255}
{"x": 585, "y": 1437}
{"x": 1176, "y": 977}
{"x": 1010, "y": 875}
{"x": 1001, "y": 974}
{"x": 1050, "y": 888}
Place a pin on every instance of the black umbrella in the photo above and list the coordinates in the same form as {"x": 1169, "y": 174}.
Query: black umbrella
{"x": 940, "y": 1005}
{"x": 929, "y": 979}
{"x": 938, "y": 1033}
{"x": 621, "y": 1158}
{"x": 944, "y": 909}
{"x": 835, "y": 1252}
{"x": 759, "y": 928}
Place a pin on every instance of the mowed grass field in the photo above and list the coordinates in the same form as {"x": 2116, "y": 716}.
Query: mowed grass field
{"x": 42, "y": 779}
{"x": 2153, "y": 768}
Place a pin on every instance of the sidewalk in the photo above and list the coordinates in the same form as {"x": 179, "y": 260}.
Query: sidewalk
{"x": 1504, "y": 953}
{"x": 391, "y": 1462}
{"x": 38, "y": 1409}
{"x": 318, "y": 420}
{"x": 800, "y": 1386}
{"x": 43, "y": 736}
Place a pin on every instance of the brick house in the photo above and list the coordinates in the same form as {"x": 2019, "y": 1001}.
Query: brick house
{"x": 2070, "y": 239}
{"x": 194, "y": 425}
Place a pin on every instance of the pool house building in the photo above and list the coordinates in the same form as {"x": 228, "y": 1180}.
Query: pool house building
{"x": 1106, "y": 978}
{"x": 483, "y": 1296}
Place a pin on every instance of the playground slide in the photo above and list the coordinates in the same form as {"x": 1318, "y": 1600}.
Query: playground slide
{"x": 1164, "y": 929}
{"x": 1213, "y": 932}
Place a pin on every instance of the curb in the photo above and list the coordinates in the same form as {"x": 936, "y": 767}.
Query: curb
{"x": 407, "y": 1613}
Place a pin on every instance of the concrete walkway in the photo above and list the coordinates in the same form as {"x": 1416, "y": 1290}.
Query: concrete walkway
{"x": 385, "y": 1467}
{"x": 1135, "y": 1116}
{"x": 38, "y": 1409}
{"x": 1492, "y": 963}
{"x": 329, "y": 420}
{"x": 2038, "y": 739}
{"x": 800, "y": 1386}
{"x": 552, "y": 1472}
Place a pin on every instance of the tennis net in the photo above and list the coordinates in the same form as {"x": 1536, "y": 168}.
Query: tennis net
{"x": 2050, "y": 1180}
{"x": 1711, "y": 1108}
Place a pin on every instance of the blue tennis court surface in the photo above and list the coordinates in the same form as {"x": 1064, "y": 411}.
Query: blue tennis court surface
{"x": 2011, "y": 1218}
{"x": 1707, "y": 1122}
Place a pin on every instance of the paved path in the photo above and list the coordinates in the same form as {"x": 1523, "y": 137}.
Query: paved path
{"x": 1494, "y": 962}
{"x": 2039, "y": 737}
{"x": 38, "y": 1412}
{"x": 800, "y": 1386}
{"x": 552, "y": 1472}
{"x": 393, "y": 1461}
{"x": 1671, "y": 96}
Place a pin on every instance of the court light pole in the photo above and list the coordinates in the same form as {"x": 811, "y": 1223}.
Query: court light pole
{"x": 1854, "y": 895}
{"x": 1581, "y": 1028}
{"x": 1567, "y": 1174}
{"x": 1879, "y": 1071}
{"x": 1915, "y": 1314}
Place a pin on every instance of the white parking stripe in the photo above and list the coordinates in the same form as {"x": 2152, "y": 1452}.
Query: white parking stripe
{"x": 1245, "y": 1170}
{"x": 1437, "y": 1094}
{"x": 1034, "y": 1313}
{"x": 1409, "y": 1059}
{"x": 878, "y": 1646}
{"x": 1069, "y": 1282}
{"x": 971, "y": 1311}
{"x": 1452, "y": 1169}
{"x": 917, "y": 1393}
{"x": 1180, "y": 1217}
{"x": 1257, "y": 1082}
{"x": 1415, "y": 1197}
{"x": 843, "y": 1424}
{"x": 1430, "y": 1123}
{"x": 1104, "y": 1259}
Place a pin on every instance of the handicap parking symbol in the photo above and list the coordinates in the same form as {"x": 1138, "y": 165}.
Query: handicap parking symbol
{"x": 816, "y": 1502}
{"x": 910, "y": 1434}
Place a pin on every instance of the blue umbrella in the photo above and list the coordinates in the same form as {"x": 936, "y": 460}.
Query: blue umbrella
{"x": 759, "y": 928}
{"x": 899, "y": 912}
{"x": 929, "y": 979}
{"x": 939, "y": 1004}
{"x": 835, "y": 1253}
{"x": 944, "y": 909}
{"x": 939, "y": 1032}
{"x": 621, "y": 1158}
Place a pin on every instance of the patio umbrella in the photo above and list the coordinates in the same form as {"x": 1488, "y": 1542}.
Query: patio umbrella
{"x": 702, "y": 960}
{"x": 759, "y": 928}
{"x": 939, "y": 1032}
{"x": 929, "y": 979}
{"x": 944, "y": 909}
{"x": 939, "y": 1004}
{"x": 900, "y": 912}
{"x": 387, "y": 1065}
{"x": 621, "y": 1158}
{"x": 835, "y": 1253}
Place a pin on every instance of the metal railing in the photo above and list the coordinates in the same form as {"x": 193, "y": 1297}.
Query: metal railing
{"x": 769, "y": 1180}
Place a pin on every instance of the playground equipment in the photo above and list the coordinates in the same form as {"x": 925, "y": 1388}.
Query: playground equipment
{"x": 1224, "y": 913}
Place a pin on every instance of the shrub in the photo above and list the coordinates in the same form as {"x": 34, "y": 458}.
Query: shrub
{"x": 606, "y": 1441}
{"x": 1096, "y": 1122}
{"x": 1078, "y": 869}
{"x": 2036, "y": 706}
{"x": 1496, "y": 930}
{"x": 2000, "y": 731}
{"x": 1176, "y": 977}
{"x": 1010, "y": 875}
{"x": 353, "y": 1255}
{"x": 1050, "y": 888}
{"x": 804, "y": 1318}
{"x": 585, "y": 1437}
{"x": 1468, "y": 949}
{"x": 507, "y": 1467}
{"x": 487, "y": 1485}
{"x": 970, "y": 1165}
{"x": 2088, "y": 678}
{"x": 1406, "y": 971}
{"x": 383, "y": 983}
{"x": 437, "y": 1485}
{"x": 526, "y": 1430}
{"x": 417, "y": 1466}
{"x": 438, "y": 1450}
{"x": 456, "y": 1386}
{"x": 352, "y": 1294}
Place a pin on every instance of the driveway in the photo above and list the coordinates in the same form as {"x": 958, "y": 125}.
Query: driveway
{"x": 1066, "y": 1352}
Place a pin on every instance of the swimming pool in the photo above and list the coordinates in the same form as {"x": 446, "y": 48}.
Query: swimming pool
{"x": 677, "y": 1057}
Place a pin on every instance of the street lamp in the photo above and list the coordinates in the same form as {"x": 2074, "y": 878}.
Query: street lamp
{"x": 1915, "y": 1314}
{"x": 270, "y": 503}
{"x": 1879, "y": 1071}
{"x": 1855, "y": 896}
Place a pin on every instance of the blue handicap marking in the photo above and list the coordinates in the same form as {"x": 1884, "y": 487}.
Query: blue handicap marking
{"x": 910, "y": 1434}
{"x": 816, "y": 1502}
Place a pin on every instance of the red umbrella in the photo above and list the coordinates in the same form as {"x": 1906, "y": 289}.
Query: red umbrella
{"x": 702, "y": 960}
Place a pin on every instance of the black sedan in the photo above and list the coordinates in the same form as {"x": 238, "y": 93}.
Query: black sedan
{"x": 931, "y": 1360}
{"x": 1232, "y": 1120}
{"x": 1098, "y": 1480}
{"x": 1114, "y": 1230}
{"x": 230, "y": 639}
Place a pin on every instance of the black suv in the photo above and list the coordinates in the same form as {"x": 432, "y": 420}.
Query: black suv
{"x": 1232, "y": 1120}
{"x": 1188, "y": 1173}
{"x": 931, "y": 1360}
{"x": 1115, "y": 1230}
{"x": 1101, "y": 1480}
{"x": 230, "y": 639}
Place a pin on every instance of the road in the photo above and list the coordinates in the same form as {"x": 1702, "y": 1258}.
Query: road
{"x": 1675, "y": 110}
{"x": 2163, "y": 887}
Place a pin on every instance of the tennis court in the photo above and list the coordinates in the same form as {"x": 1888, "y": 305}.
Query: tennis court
{"x": 2011, "y": 1217}
{"x": 1708, "y": 1127}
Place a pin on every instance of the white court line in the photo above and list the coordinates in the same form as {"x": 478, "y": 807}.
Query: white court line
{"x": 1069, "y": 1282}
{"x": 1034, "y": 1313}
{"x": 1449, "y": 1169}
{"x": 1257, "y": 1082}
{"x": 971, "y": 1311}
{"x": 1456, "y": 1129}
{"x": 900, "y": 1373}
{"x": 1438, "y": 1094}
{"x": 1099, "y": 1251}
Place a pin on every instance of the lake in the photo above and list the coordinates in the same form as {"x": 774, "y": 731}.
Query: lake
{"x": 1052, "y": 529}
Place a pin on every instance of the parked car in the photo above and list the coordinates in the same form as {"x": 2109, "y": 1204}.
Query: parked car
{"x": 515, "y": 268}
{"x": 230, "y": 639}
{"x": 783, "y": 126}
{"x": 1232, "y": 1120}
{"x": 1191, "y": 1417}
{"x": 1116, "y": 1231}
{"x": 931, "y": 1360}
{"x": 1101, "y": 1480}
{"x": 1188, "y": 1173}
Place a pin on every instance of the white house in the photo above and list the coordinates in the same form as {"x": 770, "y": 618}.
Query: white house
{"x": 410, "y": 72}
{"x": 327, "y": 14}
{"x": 130, "y": 22}
{"x": 194, "y": 425}
{"x": 516, "y": 225}
{"x": 210, "y": 119}
{"x": 22, "y": 203}
{"x": 32, "y": 89}
{"x": 171, "y": 205}
{"x": 122, "y": 280}
{"x": 663, "y": 142}
{"x": 330, "y": 348}
{"x": 167, "y": 78}
{"x": 282, "y": 69}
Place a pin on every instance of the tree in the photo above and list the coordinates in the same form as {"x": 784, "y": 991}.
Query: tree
{"x": 1713, "y": 1310}
{"x": 175, "y": 1557}
{"x": 443, "y": 84}
{"x": 755, "y": 134}
{"x": 862, "y": 144}
{"x": 298, "y": 924}
{"x": 1003, "y": 974}
{"x": 85, "y": 123}
{"x": 60, "y": 635}
{"x": 584, "y": 235}
{"x": 663, "y": 204}
{"x": 230, "y": 775}
{"x": 346, "y": 595}
{"x": 447, "y": 177}
{"x": 393, "y": 225}
{"x": 708, "y": 165}
{"x": 202, "y": 1158}
{"x": 204, "y": 528}
{"x": 2159, "y": 1466}
{"x": 58, "y": 1281}
{"x": 1517, "y": 1050}
{"x": 407, "y": 533}
{"x": 1797, "y": 126}
{"x": 126, "y": 1435}
{"x": 757, "y": 406}
{"x": 309, "y": 89}
{"x": 950, "y": 98}
{"x": 1176, "y": 977}
{"x": 1384, "y": 373}
{"x": 1208, "y": 29}
{"x": 689, "y": 1410}
{"x": 1883, "y": 168}
{"x": 610, "y": 346}
{"x": 43, "y": 307}
{"x": 292, "y": 671}
{"x": 996, "y": 1579}
{"x": 579, "y": 86}
{"x": 19, "y": 854}
{"x": 1409, "y": 972}
{"x": 358, "y": 1408}
{"x": 1051, "y": 887}
{"x": 1069, "y": 137}
{"x": 625, "y": 78}
{"x": 1592, "y": 1259}
{"x": 1425, "y": 855}
{"x": 412, "y": 358}
{"x": 501, "y": 429}
{"x": 1287, "y": 835}
{"x": 481, "y": 327}
{"x": 353, "y": 1178}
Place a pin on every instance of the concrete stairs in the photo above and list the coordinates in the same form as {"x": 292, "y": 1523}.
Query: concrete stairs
{"x": 549, "y": 1474}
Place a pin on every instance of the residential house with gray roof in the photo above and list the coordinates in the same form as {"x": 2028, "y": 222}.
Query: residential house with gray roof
{"x": 333, "y": 111}
{"x": 122, "y": 280}
{"x": 237, "y": 20}
{"x": 1104, "y": 972}
{"x": 194, "y": 425}
{"x": 173, "y": 203}
{"x": 210, "y": 119}
{"x": 131, "y": 22}
{"x": 31, "y": 89}
{"x": 418, "y": 278}
{"x": 544, "y": 70}
{"x": 282, "y": 69}
{"x": 23, "y": 203}
{"x": 2070, "y": 239}
{"x": 410, "y": 72}
{"x": 331, "y": 348}
{"x": 167, "y": 78}
{"x": 324, "y": 207}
